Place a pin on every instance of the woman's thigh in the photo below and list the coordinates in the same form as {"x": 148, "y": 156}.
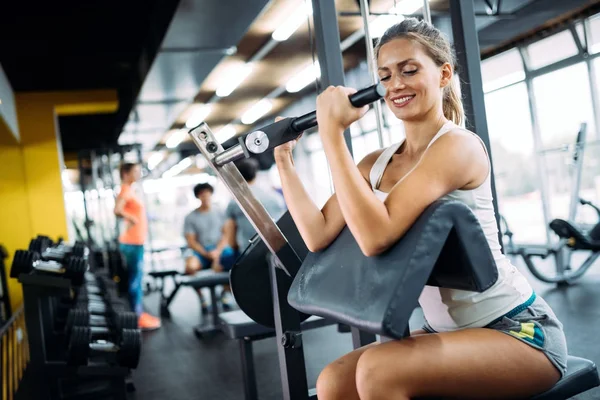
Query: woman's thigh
{"x": 468, "y": 364}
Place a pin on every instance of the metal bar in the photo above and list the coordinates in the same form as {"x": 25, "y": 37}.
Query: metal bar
{"x": 248, "y": 373}
{"x": 361, "y": 339}
{"x": 537, "y": 143}
{"x": 566, "y": 62}
{"x": 364, "y": 9}
{"x": 427, "y": 11}
{"x": 85, "y": 205}
{"x": 578, "y": 160}
{"x": 239, "y": 189}
{"x": 292, "y": 366}
{"x": 467, "y": 49}
{"x": 112, "y": 188}
{"x": 593, "y": 80}
{"x": 329, "y": 49}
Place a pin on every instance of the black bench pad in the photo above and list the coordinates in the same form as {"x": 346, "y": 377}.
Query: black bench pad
{"x": 237, "y": 325}
{"x": 205, "y": 279}
{"x": 581, "y": 375}
{"x": 163, "y": 274}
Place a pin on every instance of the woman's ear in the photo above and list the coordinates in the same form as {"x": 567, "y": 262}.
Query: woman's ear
{"x": 446, "y": 72}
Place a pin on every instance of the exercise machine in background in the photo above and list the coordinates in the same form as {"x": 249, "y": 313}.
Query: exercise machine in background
{"x": 572, "y": 238}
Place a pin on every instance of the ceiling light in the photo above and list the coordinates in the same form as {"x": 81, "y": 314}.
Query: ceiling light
{"x": 175, "y": 138}
{"x": 199, "y": 113}
{"x": 233, "y": 79}
{"x": 257, "y": 111}
{"x": 226, "y": 133}
{"x": 290, "y": 25}
{"x": 304, "y": 78}
{"x": 384, "y": 22}
{"x": 178, "y": 168}
{"x": 407, "y": 7}
{"x": 155, "y": 159}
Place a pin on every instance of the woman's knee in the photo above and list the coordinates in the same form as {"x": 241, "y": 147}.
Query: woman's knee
{"x": 333, "y": 383}
{"x": 374, "y": 381}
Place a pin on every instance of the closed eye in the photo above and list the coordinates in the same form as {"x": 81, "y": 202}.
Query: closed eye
{"x": 385, "y": 78}
{"x": 411, "y": 72}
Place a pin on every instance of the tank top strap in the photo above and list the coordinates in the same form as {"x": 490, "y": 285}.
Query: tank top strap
{"x": 447, "y": 127}
{"x": 381, "y": 163}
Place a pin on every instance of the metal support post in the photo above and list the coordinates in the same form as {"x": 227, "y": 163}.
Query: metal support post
{"x": 329, "y": 51}
{"x": 466, "y": 45}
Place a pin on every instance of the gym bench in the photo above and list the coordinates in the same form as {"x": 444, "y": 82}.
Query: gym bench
{"x": 202, "y": 279}
{"x": 237, "y": 325}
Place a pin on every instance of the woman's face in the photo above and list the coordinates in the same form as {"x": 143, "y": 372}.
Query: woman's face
{"x": 135, "y": 174}
{"x": 413, "y": 81}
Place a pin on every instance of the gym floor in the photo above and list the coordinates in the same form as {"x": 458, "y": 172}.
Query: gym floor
{"x": 176, "y": 365}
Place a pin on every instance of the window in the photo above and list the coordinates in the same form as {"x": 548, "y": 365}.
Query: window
{"x": 502, "y": 70}
{"x": 551, "y": 49}
{"x": 517, "y": 182}
{"x": 563, "y": 101}
{"x": 594, "y": 34}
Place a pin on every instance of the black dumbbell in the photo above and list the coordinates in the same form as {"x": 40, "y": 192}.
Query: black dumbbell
{"x": 100, "y": 308}
{"x": 124, "y": 351}
{"x": 101, "y": 324}
{"x": 63, "y": 251}
{"x": 25, "y": 262}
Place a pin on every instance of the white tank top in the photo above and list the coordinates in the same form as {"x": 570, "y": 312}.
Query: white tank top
{"x": 451, "y": 309}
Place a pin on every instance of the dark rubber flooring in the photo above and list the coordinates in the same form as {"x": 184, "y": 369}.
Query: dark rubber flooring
{"x": 176, "y": 365}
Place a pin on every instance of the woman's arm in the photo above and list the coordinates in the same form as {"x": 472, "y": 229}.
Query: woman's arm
{"x": 454, "y": 161}
{"x": 119, "y": 210}
{"x": 318, "y": 228}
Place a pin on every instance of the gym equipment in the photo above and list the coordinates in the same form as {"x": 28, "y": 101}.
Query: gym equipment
{"x": 126, "y": 352}
{"x": 58, "y": 373}
{"x": 283, "y": 131}
{"x": 445, "y": 248}
{"x": 5, "y": 310}
{"x": 571, "y": 238}
{"x": 250, "y": 281}
{"x": 238, "y": 326}
{"x": 202, "y": 279}
{"x": 25, "y": 262}
{"x": 48, "y": 250}
{"x": 98, "y": 324}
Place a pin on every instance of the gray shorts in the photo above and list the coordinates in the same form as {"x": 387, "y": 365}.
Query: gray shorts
{"x": 535, "y": 324}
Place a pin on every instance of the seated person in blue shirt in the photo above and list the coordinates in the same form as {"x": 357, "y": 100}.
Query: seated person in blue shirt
{"x": 237, "y": 227}
{"x": 203, "y": 231}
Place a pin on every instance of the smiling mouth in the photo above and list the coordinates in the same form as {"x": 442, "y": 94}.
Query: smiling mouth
{"x": 402, "y": 101}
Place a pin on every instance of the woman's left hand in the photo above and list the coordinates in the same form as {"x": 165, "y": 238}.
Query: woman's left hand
{"x": 334, "y": 110}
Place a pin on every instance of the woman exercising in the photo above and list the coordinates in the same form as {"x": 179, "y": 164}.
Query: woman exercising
{"x": 503, "y": 343}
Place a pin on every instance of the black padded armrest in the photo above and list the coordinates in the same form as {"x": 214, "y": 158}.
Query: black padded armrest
{"x": 445, "y": 247}
{"x": 163, "y": 274}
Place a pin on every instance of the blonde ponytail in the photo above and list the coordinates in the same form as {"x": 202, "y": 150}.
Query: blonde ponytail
{"x": 452, "y": 103}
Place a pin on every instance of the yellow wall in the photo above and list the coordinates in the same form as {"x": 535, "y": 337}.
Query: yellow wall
{"x": 31, "y": 191}
{"x": 15, "y": 222}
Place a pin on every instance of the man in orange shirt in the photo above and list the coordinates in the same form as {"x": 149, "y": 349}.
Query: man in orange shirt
{"x": 132, "y": 210}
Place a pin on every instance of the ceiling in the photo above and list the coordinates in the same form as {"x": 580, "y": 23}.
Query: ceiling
{"x": 167, "y": 57}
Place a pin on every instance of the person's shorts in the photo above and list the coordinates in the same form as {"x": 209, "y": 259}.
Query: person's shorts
{"x": 228, "y": 257}
{"x": 535, "y": 324}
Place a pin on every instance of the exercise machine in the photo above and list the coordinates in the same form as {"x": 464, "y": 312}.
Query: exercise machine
{"x": 374, "y": 295}
{"x": 571, "y": 237}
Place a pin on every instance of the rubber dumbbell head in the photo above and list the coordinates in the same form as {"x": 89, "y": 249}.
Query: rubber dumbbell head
{"x": 82, "y": 346}
{"x": 23, "y": 262}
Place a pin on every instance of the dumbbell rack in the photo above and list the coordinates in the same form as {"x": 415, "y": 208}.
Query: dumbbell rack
{"x": 47, "y": 365}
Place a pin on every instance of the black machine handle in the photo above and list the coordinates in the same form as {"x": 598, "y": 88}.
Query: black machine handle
{"x": 288, "y": 129}
{"x": 359, "y": 99}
